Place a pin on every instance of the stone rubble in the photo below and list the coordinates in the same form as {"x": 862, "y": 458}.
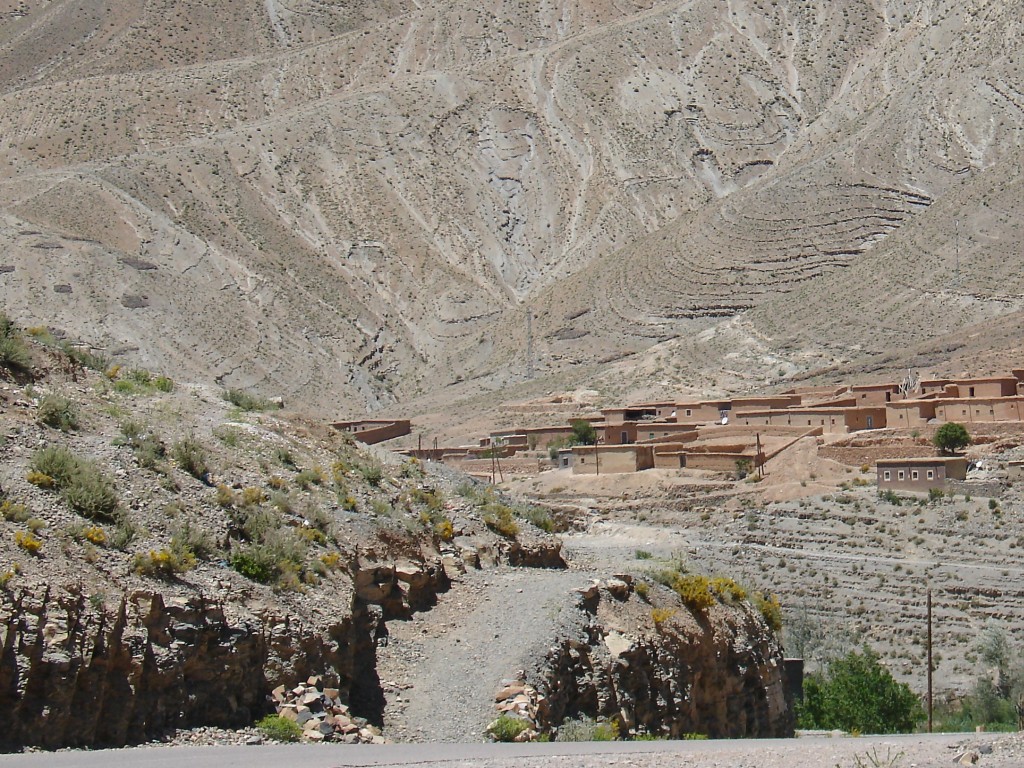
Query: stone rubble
{"x": 322, "y": 715}
{"x": 524, "y": 702}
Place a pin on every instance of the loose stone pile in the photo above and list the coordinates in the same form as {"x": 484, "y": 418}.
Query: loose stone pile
{"x": 322, "y": 716}
{"x": 522, "y": 701}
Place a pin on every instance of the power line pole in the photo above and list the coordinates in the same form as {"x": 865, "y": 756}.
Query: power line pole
{"x": 929, "y": 661}
{"x": 529, "y": 343}
{"x": 956, "y": 272}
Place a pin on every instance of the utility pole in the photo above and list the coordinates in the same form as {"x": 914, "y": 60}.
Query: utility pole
{"x": 929, "y": 661}
{"x": 529, "y": 343}
{"x": 956, "y": 272}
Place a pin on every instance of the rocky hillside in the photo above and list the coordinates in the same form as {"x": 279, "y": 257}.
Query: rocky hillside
{"x": 359, "y": 206}
{"x": 174, "y": 555}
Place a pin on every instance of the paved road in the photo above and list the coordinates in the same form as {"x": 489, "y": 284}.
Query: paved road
{"x": 820, "y": 752}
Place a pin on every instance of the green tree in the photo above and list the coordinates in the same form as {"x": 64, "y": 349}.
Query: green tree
{"x": 858, "y": 694}
{"x": 951, "y": 437}
{"x": 583, "y": 432}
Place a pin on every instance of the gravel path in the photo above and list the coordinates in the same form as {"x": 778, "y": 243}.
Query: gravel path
{"x": 440, "y": 671}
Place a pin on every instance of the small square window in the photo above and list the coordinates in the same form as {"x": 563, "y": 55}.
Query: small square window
{"x": 913, "y": 474}
{"x": 887, "y": 475}
{"x": 689, "y": 412}
{"x": 931, "y": 474}
{"x": 901, "y": 475}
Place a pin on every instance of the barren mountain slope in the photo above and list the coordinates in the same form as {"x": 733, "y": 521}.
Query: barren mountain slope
{"x": 356, "y": 208}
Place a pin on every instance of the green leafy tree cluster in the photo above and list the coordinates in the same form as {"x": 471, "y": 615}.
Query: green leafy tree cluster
{"x": 950, "y": 438}
{"x": 583, "y": 433}
{"x": 858, "y": 694}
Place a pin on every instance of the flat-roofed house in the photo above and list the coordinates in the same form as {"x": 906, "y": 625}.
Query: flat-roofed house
{"x": 703, "y": 412}
{"x": 991, "y": 386}
{"x": 372, "y": 431}
{"x": 875, "y": 394}
{"x": 920, "y": 473}
{"x": 831, "y": 420}
{"x": 977, "y": 409}
{"x": 611, "y": 459}
{"x": 909, "y": 414}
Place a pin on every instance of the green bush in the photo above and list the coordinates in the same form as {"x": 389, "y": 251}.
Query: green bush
{"x": 500, "y": 519}
{"x": 12, "y": 511}
{"x": 279, "y": 728}
{"x": 891, "y": 497}
{"x": 164, "y": 563}
{"x": 858, "y": 694}
{"x": 586, "y": 729}
{"x": 770, "y": 609}
{"x": 694, "y": 590}
{"x": 308, "y": 477}
{"x": 57, "y": 462}
{"x": 507, "y": 728}
{"x": 727, "y": 590}
{"x": 254, "y": 563}
{"x": 191, "y": 457}
{"x": 285, "y": 457}
{"x": 85, "y": 489}
{"x": 91, "y": 494}
{"x": 248, "y": 401}
{"x": 58, "y": 412}
{"x": 372, "y": 473}
{"x": 540, "y": 518}
{"x": 86, "y": 357}
{"x": 193, "y": 539}
{"x": 149, "y": 449}
{"x": 583, "y": 433}
{"x": 14, "y": 355}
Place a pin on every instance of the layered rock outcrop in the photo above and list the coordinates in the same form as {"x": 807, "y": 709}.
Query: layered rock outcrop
{"x": 656, "y": 667}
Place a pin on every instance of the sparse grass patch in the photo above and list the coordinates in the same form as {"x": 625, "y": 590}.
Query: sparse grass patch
{"x": 373, "y": 473}
{"x": 58, "y": 412}
{"x": 284, "y": 456}
{"x": 586, "y": 729}
{"x": 309, "y": 477}
{"x": 190, "y": 455}
{"x": 247, "y": 401}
